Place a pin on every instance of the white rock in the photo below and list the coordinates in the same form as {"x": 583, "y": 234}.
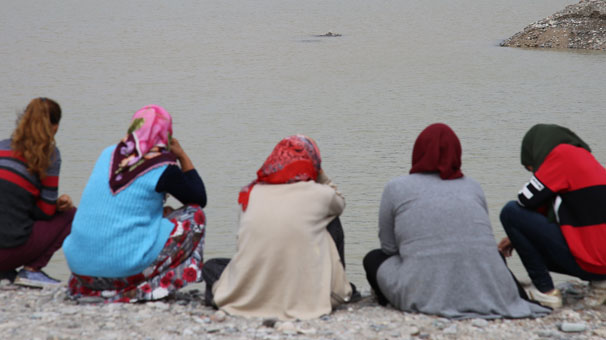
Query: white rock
{"x": 480, "y": 323}
{"x": 411, "y": 330}
{"x": 219, "y": 316}
{"x": 573, "y": 326}
{"x": 600, "y": 332}
{"x": 200, "y": 320}
{"x": 572, "y": 315}
{"x": 160, "y": 305}
{"x": 286, "y": 327}
{"x": 452, "y": 329}
{"x": 306, "y": 331}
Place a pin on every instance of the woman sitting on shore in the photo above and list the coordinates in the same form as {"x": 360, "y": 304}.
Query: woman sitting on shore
{"x": 287, "y": 263}
{"x": 122, "y": 248}
{"x": 438, "y": 253}
{"x": 559, "y": 221}
{"x": 33, "y": 220}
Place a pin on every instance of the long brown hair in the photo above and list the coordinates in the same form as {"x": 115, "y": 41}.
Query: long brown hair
{"x": 34, "y": 138}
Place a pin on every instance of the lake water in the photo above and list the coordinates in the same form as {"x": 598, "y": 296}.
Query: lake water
{"x": 238, "y": 76}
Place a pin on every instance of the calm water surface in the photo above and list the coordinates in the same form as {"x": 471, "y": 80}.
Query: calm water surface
{"x": 239, "y": 75}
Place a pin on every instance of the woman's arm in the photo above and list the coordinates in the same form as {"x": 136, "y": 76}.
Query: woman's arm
{"x": 186, "y": 163}
{"x": 534, "y": 194}
{"x": 338, "y": 203}
{"x": 387, "y": 235}
{"x": 187, "y": 187}
{"x": 182, "y": 183}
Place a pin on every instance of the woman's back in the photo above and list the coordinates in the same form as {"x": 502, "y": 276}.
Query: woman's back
{"x": 125, "y": 232}
{"x": 286, "y": 264}
{"x": 448, "y": 263}
{"x": 438, "y": 254}
{"x": 429, "y": 211}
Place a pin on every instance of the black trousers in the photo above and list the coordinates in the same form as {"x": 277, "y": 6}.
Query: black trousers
{"x": 372, "y": 261}
{"x": 213, "y": 268}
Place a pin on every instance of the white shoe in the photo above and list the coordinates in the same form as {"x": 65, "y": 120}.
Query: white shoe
{"x": 597, "y": 294}
{"x": 598, "y": 284}
{"x": 552, "y": 299}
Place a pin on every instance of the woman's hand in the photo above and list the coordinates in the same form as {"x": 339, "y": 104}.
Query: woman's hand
{"x": 64, "y": 202}
{"x": 505, "y": 247}
{"x": 322, "y": 178}
{"x": 175, "y": 147}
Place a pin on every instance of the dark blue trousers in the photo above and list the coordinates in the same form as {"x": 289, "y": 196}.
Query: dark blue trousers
{"x": 541, "y": 246}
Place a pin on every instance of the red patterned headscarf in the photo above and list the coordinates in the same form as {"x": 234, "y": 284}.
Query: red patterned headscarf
{"x": 294, "y": 159}
{"x": 437, "y": 149}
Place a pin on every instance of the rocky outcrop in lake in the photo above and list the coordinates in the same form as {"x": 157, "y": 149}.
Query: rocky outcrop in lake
{"x": 578, "y": 26}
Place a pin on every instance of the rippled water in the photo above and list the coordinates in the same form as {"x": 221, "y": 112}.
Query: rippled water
{"x": 239, "y": 75}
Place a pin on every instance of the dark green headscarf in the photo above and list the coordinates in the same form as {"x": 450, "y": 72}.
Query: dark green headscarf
{"x": 542, "y": 138}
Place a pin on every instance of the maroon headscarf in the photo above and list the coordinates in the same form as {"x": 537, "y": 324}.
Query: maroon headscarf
{"x": 437, "y": 149}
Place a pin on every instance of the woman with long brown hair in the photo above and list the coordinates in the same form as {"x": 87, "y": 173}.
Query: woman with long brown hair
{"x": 34, "y": 220}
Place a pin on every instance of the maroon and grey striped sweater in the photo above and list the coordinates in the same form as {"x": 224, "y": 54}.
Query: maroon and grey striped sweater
{"x": 24, "y": 198}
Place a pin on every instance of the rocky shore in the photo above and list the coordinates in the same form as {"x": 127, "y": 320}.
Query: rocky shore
{"x": 578, "y": 26}
{"x": 46, "y": 314}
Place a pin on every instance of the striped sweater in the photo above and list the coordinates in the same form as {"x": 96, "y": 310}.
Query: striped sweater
{"x": 24, "y": 198}
{"x": 573, "y": 181}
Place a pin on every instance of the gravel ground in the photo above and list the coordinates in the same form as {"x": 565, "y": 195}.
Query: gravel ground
{"x": 578, "y": 26}
{"x": 46, "y": 314}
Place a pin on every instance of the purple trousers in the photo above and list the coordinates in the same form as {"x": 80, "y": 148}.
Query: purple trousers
{"x": 46, "y": 238}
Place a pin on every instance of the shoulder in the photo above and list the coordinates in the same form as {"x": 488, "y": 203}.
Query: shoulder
{"x": 312, "y": 186}
{"x": 470, "y": 185}
{"x": 109, "y": 149}
{"x": 107, "y": 152}
{"x": 398, "y": 181}
{"x": 402, "y": 185}
{"x": 5, "y": 144}
{"x": 565, "y": 152}
{"x": 304, "y": 188}
{"x": 57, "y": 155}
{"x": 562, "y": 157}
{"x": 469, "y": 181}
{"x": 412, "y": 180}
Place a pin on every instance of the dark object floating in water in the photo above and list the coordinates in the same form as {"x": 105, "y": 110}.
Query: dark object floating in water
{"x": 329, "y": 34}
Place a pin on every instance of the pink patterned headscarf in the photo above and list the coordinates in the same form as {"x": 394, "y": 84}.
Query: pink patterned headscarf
{"x": 153, "y": 127}
{"x": 145, "y": 147}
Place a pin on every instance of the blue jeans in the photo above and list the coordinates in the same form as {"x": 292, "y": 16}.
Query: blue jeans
{"x": 541, "y": 246}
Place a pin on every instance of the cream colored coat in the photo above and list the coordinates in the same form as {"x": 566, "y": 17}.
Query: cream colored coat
{"x": 287, "y": 265}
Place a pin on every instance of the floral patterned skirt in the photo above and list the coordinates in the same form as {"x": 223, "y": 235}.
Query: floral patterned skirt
{"x": 179, "y": 263}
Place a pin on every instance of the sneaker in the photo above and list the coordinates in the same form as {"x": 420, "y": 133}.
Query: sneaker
{"x": 8, "y": 275}
{"x": 552, "y": 299}
{"x": 37, "y": 279}
{"x": 597, "y": 294}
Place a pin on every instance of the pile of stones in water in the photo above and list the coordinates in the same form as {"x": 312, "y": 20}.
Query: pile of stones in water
{"x": 578, "y": 26}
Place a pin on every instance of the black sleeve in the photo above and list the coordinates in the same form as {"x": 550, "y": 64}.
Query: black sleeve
{"x": 187, "y": 187}
{"x": 534, "y": 194}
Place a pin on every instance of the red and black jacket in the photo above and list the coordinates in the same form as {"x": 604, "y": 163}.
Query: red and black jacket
{"x": 573, "y": 181}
